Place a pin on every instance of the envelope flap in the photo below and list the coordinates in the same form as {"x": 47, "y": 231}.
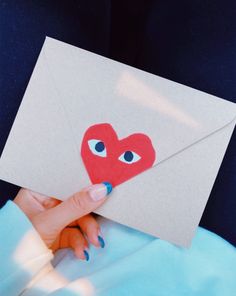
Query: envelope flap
{"x": 103, "y": 90}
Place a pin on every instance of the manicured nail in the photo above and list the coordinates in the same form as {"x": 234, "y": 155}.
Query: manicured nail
{"x": 109, "y": 187}
{"x": 86, "y": 254}
{"x": 99, "y": 191}
{"x": 101, "y": 241}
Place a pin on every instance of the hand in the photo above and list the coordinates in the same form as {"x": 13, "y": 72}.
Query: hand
{"x": 66, "y": 224}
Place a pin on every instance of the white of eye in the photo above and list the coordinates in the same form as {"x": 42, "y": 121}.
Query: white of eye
{"x": 97, "y": 147}
{"x": 129, "y": 157}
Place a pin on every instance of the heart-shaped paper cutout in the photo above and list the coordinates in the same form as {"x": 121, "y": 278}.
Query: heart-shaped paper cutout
{"x": 109, "y": 159}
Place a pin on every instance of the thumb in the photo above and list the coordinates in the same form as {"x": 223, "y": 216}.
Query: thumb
{"x": 79, "y": 204}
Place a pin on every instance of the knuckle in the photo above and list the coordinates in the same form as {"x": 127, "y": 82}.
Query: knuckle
{"x": 79, "y": 202}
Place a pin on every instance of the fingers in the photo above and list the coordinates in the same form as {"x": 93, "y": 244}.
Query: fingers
{"x": 77, "y": 206}
{"x": 50, "y": 202}
{"x": 73, "y": 238}
{"x": 46, "y": 201}
{"x": 91, "y": 229}
{"x": 33, "y": 203}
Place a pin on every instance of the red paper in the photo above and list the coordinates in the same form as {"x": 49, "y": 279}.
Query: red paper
{"x": 109, "y": 159}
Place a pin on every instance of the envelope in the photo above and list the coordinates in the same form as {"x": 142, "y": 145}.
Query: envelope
{"x": 87, "y": 119}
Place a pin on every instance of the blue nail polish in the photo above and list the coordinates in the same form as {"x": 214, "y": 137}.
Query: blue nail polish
{"x": 101, "y": 241}
{"x": 86, "y": 254}
{"x": 108, "y": 186}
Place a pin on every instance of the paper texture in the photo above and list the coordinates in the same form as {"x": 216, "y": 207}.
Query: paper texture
{"x": 71, "y": 90}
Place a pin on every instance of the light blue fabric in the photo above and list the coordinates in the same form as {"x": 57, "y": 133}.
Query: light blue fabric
{"x": 133, "y": 263}
{"x": 13, "y": 226}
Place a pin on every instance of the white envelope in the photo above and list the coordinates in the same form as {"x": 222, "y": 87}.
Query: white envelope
{"x": 71, "y": 90}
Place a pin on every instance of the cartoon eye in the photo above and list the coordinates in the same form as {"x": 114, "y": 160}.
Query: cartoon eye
{"x": 97, "y": 147}
{"x": 129, "y": 157}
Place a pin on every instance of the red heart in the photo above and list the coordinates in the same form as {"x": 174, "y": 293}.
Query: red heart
{"x": 109, "y": 159}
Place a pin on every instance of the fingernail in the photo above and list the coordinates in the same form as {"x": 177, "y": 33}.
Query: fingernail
{"x": 101, "y": 241}
{"x": 86, "y": 254}
{"x": 109, "y": 187}
{"x": 99, "y": 191}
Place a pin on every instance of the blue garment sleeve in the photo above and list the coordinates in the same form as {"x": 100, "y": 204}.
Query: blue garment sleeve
{"x": 22, "y": 252}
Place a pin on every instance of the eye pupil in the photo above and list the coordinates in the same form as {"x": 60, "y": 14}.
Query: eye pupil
{"x": 128, "y": 156}
{"x": 99, "y": 147}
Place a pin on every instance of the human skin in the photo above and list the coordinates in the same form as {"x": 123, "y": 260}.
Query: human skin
{"x": 66, "y": 224}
